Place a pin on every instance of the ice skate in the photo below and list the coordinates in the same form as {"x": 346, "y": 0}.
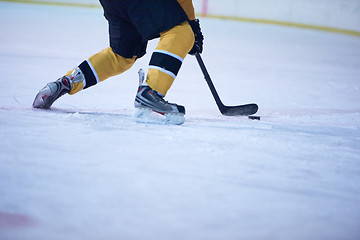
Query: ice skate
{"x": 148, "y": 100}
{"x": 52, "y": 91}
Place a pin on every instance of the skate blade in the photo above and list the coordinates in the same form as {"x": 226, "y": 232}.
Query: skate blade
{"x": 145, "y": 115}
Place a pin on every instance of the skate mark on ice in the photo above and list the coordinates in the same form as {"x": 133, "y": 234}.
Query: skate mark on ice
{"x": 11, "y": 220}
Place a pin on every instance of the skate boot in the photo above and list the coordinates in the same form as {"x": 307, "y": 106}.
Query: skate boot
{"x": 52, "y": 91}
{"x": 148, "y": 100}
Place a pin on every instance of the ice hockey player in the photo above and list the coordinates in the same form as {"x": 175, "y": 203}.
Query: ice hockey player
{"x": 131, "y": 24}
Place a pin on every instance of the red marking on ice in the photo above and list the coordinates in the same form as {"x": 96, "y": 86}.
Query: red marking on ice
{"x": 11, "y": 220}
{"x": 205, "y": 7}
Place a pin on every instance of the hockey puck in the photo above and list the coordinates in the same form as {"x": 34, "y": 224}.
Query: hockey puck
{"x": 254, "y": 117}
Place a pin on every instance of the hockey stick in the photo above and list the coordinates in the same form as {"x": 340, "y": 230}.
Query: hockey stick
{"x": 243, "y": 110}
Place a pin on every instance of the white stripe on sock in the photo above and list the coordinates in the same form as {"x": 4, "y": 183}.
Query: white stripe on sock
{"x": 162, "y": 70}
{"x": 93, "y": 70}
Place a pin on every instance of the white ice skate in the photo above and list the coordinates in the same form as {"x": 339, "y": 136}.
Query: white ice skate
{"x": 148, "y": 101}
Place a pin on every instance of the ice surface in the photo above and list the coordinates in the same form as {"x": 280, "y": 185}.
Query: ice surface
{"x": 88, "y": 170}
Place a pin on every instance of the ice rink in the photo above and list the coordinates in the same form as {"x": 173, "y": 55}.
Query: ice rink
{"x": 88, "y": 170}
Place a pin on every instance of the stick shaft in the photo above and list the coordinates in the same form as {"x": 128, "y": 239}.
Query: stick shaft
{"x": 209, "y": 82}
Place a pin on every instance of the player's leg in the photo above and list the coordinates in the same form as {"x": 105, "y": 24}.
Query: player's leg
{"x": 126, "y": 45}
{"x": 168, "y": 57}
{"x": 97, "y": 68}
{"x": 164, "y": 65}
{"x": 169, "y": 22}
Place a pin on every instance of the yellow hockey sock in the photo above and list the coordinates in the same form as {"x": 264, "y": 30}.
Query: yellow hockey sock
{"x": 99, "y": 67}
{"x": 166, "y": 60}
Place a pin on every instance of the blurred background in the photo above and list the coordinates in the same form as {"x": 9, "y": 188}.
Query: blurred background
{"x": 330, "y": 15}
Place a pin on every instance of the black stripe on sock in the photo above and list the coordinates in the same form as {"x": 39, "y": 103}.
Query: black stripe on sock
{"x": 166, "y": 62}
{"x": 90, "y": 78}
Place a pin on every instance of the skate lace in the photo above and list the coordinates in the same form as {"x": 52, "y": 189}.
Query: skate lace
{"x": 160, "y": 97}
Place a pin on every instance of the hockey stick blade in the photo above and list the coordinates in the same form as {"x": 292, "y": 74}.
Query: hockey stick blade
{"x": 242, "y": 110}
